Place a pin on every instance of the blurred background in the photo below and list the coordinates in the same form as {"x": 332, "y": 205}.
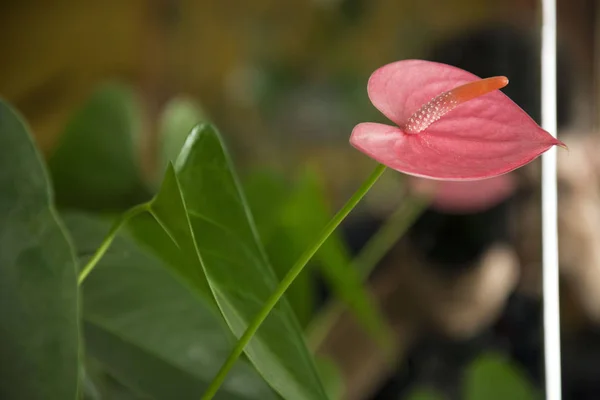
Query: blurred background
{"x": 285, "y": 82}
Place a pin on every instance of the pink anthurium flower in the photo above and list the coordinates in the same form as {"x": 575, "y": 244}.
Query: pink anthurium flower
{"x": 451, "y": 124}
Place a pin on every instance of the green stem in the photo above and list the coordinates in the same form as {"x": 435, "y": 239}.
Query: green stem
{"x": 132, "y": 212}
{"x": 371, "y": 254}
{"x": 288, "y": 280}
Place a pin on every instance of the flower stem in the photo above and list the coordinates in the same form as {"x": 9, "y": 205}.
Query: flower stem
{"x": 289, "y": 279}
{"x": 132, "y": 212}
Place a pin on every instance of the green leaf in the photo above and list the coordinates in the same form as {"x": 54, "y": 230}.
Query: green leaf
{"x": 269, "y": 196}
{"x": 235, "y": 264}
{"x": 39, "y": 328}
{"x": 150, "y": 331}
{"x": 492, "y": 377}
{"x": 96, "y": 165}
{"x": 306, "y": 214}
{"x": 170, "y": 214}
{"x": 180, "y": 116}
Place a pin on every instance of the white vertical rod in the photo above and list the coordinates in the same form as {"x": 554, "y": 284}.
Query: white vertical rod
{"x": 549, "y": 208}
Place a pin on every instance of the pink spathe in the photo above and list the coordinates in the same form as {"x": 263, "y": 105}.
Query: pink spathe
{"x": 478, "y": 133}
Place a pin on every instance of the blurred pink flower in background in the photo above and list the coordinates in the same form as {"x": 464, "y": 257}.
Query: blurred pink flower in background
{"x": 464, "y": 197}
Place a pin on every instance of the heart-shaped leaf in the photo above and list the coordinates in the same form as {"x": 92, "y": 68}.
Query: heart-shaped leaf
{"x": 39, "y": 313}
{"x": 451, "y": 125}
{"x": 150, "y": 331}
{"x": 220, "y": 230}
